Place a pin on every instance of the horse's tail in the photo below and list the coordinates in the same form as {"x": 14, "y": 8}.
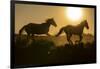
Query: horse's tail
{"x": 21, "y": 30}
{"x": 61, "y": 30}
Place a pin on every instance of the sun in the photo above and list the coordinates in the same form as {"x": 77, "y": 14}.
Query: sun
{"x": 74, "y": 13}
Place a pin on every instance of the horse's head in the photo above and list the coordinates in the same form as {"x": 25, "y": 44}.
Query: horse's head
{"x": 86, "y": 24}
{"x": 51, "y": 21}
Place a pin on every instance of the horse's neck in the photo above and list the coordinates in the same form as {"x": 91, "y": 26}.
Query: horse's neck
{"x": 81, "y": 27}
{"x": 46, "y": 24}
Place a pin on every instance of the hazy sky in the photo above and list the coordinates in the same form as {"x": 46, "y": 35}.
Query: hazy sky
{"x": 28, "y": 13}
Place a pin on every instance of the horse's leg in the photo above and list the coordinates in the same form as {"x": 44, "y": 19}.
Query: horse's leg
{"x": 48, "y": 34}
{"x": 29, "y": 39}
{"x": 68, "y": 38}
{"x": 71, "y": 41}
{"x": 81, "y": 37}
{"x": 33, "y": 36}
{"x": 28, "y": 36}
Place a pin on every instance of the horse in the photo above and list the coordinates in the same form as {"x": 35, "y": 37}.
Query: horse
{"x": 33, "y": 28}
{"x": 76, "y": 30}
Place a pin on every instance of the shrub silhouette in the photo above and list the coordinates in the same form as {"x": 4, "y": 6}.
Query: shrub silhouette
{"x": 37, "y": 53}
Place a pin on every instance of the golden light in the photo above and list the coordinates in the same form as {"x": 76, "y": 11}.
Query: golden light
{"x": 74, "y": 13}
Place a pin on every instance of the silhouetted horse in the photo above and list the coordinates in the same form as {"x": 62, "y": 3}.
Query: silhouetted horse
{"x": 33, "y": 28}
{"x": 77, "y": 30}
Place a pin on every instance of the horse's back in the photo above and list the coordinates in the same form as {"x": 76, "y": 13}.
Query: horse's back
{"x": 36, "y": 28}
{"x": 73, "y": 29}
{"x": 69, "y": 29}
{"x": 69, "y": 26}
{"x": 32, "y": 24}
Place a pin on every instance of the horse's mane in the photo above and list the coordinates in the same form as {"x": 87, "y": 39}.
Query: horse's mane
{"x": 81, "y": 23}
{"x": 47, "y": 21}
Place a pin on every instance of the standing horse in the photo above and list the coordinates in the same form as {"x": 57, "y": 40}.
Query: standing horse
{"x": 33, "y": 28}
{"x": 77, "y": 30}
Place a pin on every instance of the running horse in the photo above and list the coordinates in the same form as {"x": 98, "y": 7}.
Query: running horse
{"x": 33, "y": 28}
{"x": 76, "y": 30}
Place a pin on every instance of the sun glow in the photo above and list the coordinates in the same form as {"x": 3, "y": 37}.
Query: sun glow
{"x": 74, "y": 13}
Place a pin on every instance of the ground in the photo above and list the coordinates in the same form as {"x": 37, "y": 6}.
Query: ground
{"x": 44, "y": 52}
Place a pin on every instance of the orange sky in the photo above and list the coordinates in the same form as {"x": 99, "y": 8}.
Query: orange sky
{"x": 26, "y": 13}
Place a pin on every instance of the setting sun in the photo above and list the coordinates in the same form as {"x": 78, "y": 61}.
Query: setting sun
{"x": 63, "y": 16}
{"x": 74, "y": 13}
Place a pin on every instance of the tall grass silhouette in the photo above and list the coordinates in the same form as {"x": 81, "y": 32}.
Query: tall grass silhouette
{"x": 45, "y": 52}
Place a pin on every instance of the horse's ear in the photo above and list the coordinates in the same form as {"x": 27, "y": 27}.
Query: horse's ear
{"x": 47, "y": 20}
{"x": 85, "y": 20}
{"x": 51, "y": 18}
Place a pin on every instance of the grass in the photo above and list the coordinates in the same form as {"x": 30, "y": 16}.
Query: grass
{"x": 44, "y": 52}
